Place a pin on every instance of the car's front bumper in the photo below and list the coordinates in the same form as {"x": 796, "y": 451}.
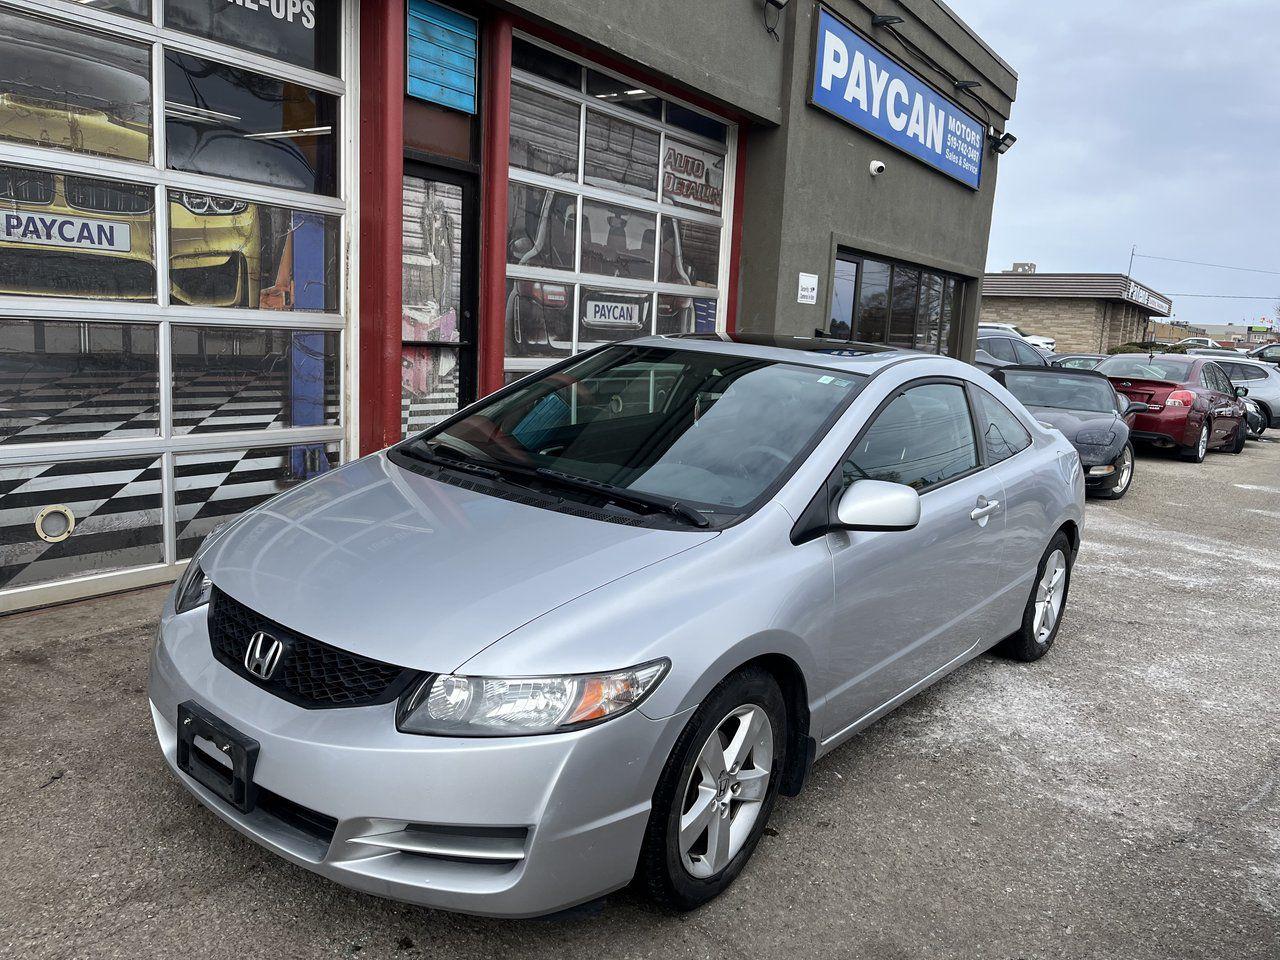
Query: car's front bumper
{"x": 572, "y": 807}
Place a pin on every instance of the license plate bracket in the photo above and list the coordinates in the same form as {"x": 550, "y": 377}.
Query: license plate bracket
{"x": 234, "y": 782}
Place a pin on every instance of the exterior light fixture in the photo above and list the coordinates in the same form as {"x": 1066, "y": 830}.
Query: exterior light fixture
{"x": 881, "y": 20}
{"x": 967, "y": 84}
{"x": 777, "y": 6}
{"x": 1001, "y": 144}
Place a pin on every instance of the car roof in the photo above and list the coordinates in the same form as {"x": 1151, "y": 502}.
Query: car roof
{"x": 850, "y": 355}
{"x": 1051, "y": 371}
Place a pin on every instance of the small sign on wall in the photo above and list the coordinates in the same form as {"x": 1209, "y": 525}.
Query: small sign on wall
{"x": 808, "y": 292}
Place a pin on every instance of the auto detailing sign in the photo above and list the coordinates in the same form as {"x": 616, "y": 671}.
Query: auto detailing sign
{"x": 81, "y": 233}
{"x": 862, "y": 85}
{"x": 693, "y": 177}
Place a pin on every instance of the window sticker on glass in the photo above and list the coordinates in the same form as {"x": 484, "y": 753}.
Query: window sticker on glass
{"x": 301, "y": 32}
{"x": 692, "y": 177}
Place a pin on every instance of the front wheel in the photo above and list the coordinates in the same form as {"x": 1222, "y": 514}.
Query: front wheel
{"x": 1238, "y": 445}
{"x": 1124, "y": 474}
{"x": 716, "y": 792}
{"x": 1048, "y": 602}
{"x": 1196, "y": 454}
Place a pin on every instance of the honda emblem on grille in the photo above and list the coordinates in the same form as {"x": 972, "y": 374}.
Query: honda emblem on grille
{"x": 262, "y": 655}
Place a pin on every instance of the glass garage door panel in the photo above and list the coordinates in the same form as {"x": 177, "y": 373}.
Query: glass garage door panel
{"x": 211, "y": 488}
{"x": 61, "y": 520}
{"x": 68, "y": 380}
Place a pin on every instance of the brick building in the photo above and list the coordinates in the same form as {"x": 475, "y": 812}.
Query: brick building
{"x": 1084, "y": 312}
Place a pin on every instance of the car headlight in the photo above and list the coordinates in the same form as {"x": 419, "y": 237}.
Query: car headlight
{"x": 457, "y": 706}
{"x": 1096, "y": 438}
{"x": 204, "y": 204}
{"x": 193, "y": 589}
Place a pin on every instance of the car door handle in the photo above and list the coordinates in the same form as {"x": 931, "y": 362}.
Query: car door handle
{"x": 984, "y": 509}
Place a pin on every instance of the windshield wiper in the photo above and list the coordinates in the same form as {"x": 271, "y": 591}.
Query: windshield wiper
{"x": 623, "y": 495}
{"x": 455, "y": 460}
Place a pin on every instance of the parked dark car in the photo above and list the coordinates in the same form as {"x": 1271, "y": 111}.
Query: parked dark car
{"x": 1078, "y": 361}
{"x": 1192, "y": 405}
{"x": 1085, "y": 407}
{"x": 1003, "y": 351}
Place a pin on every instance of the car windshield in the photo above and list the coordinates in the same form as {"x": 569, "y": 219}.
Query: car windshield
{"x": 1144, "y": 367}
{"x": 1061, "y": 390}
{"x": 667, "y": 424}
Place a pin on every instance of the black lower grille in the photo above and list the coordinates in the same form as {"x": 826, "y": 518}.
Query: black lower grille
{"x": 311, "y": 822}
{"x": 108, "y": 196}
{"x": 26, "y": 186}
{"x": 309, "y": 673}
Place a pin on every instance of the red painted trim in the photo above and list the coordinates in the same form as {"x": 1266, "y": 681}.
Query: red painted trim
{"x": 495, "y": 157}
{"x": 382, "y": 83}
{"x": 735, "y": 232}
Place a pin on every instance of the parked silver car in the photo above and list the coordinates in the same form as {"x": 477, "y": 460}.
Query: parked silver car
{"x": 589, "y": 629}
{"x": 1261, "y": 379}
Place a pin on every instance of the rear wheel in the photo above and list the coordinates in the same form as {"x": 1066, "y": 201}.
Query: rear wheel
{"x": 716, "y": 792}
{"x": 1048, "y": 602}
{"x": 1241, "y": 429}
{"x": 1124, "y": 474}
{"x": 1196, "y": 453}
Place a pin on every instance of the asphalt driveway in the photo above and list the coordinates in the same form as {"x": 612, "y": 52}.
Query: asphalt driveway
{"x": 1121, "y": 798}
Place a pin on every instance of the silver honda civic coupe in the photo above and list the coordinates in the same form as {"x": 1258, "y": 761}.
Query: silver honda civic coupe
{"x": 587, "y": 630}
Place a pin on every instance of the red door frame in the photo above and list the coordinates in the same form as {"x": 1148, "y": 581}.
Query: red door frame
{"x": 382, "y": 81}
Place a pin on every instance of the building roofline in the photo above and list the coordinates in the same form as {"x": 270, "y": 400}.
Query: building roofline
{"x": 1097, "y": 286}
{"x": 973, "y": 34}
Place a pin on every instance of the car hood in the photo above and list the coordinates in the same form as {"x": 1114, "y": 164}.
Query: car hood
{"x": 396, "y": 566}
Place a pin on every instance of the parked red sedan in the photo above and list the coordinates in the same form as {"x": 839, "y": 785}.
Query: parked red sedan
{"x": 1192, "y": 404}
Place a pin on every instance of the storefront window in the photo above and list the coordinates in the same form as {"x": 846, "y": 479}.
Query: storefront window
{"x": 301, "y": 32}
{"x": 73, "y": 89}
{"x": 229, "y": 122}
{"x": 76, "y": 380}
{"x": 432, "y": 245}
{"x": 844, "y": 294}
{"x": 246, "y": 378}
{"x": 67, "y": 235}
{"x": 232, "y": 253}
{"x": 893, "y": 303}
{"x": 643, "y": 200}
{"x": 872, "y": 324}
{"x": 930, "y": 311}
{"x": 906, "y": 294}
{"x": 617, "y": 241}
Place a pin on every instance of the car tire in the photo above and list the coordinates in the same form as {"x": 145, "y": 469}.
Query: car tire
{"x": 1197, "y": 453}
{"x": 1048, "y": 598}
{"x": 1242, "y": 429}
{"x": 1125, "y": 482}
{"x": 666, "y": 868}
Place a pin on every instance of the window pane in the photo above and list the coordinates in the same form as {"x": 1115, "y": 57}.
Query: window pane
{"x": 245, "y": 378}
{"x": 608, "y": 315}
{"x": 906, "y": 290}
{"x": 930, "y": 312}
{"x": 432, "y": 254}
{"x": 690, "y": 253}
{"x": 544, "y": 133}
{"x": 541, "y": 227}
{"x": 212, "y": 487}
{"x": 301, "y": 32}
{"x": 231, "y": 253}
{"x": 428, "y": 386}
{"x": 539, "y": 318}
{"x": 616, "y": 241}
{"x": 67, "y": 519}
{"x": 686, "y": 314}
{"x": 952, "y": 297}
{"x": 228, "y": 122}
{"x": 923, "y": 437}
{"x": 692, "y": 177}
{"x": 1003, "y": 434}
{"x": 620, "y": 156}
{"x": 1027, "y": 354}
{"x": 538, "y": 60}
{"x": 67, "y": 380}
{"x": 999, "y": 347}
{"x": 873, "y": 302}
{"x": 608, "y": 90}
{"x": 71, "y": 236}
{"x": 843, "y": 290}
{"x": 69, "y": 88}
{"x": 695, "y": 122}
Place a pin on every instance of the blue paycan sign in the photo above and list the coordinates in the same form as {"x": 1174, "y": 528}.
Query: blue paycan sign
{"x": 858, "y": 82}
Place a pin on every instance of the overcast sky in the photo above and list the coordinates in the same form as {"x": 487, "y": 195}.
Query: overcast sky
{"x": 1148, "y": 122}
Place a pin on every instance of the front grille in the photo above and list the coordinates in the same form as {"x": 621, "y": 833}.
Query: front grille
{"x": 311, "y": 822}
{"x": 26, "y": 186}
{"x": 101, "y": 196}
{"x": 310, "y": 673}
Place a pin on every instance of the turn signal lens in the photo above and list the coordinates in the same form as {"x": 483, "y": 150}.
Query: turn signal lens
{"x": 451, "y": 705}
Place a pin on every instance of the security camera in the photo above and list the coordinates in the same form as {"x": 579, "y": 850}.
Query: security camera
{"x": 877, "y": 167}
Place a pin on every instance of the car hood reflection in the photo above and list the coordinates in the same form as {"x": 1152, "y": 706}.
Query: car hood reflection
{"x": 399, "y": 567}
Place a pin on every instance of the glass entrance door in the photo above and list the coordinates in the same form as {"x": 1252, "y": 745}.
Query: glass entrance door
{"x": 438, "y": 356}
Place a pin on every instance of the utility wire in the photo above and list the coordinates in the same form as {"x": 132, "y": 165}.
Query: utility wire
{"x": 1201, "y": 263}
{"x": 1225, "y": 296}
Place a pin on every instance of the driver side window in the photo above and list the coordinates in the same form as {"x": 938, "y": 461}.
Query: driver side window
{"x": 922, "y": 438}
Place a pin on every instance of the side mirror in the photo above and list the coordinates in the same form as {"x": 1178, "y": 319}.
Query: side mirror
{"x": 1136, "y": 406}
{"x": 1242, "y": 391}
{"x": 878, "y": 505}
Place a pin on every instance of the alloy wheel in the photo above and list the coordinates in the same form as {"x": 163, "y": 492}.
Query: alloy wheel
{"x": 723, "y": 794}
{"x": 1203, "y": 446}
{"x": 1126, "y": 470}
{"x": 1050, "y": 592}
